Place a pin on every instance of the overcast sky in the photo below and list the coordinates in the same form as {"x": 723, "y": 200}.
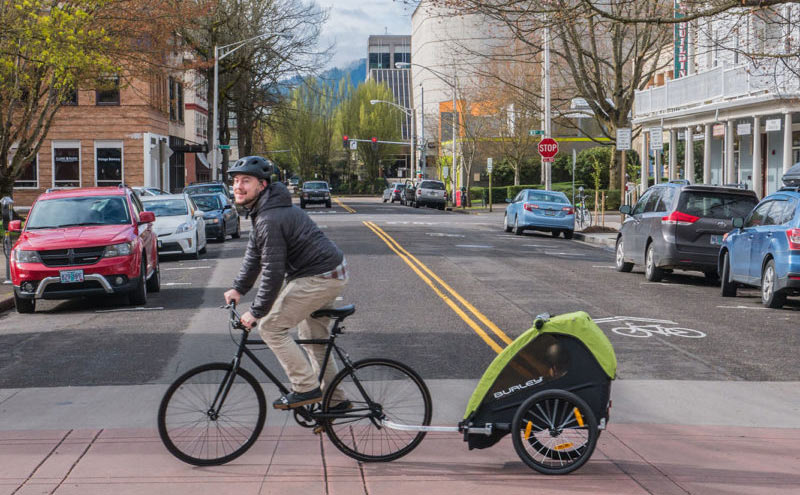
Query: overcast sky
{"x": 351, "y": 21}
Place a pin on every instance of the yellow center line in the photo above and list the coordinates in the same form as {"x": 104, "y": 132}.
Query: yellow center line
{"x": 469, "y": 321}
{"x": 494, "y": 328}
{"x": 344, "y": 205}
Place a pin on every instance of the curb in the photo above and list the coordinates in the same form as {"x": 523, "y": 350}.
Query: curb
{"x": 595, "y": 239}
{"x": 7, "y": 303}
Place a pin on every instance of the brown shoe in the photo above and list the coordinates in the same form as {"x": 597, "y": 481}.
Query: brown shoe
{"x": 297, "y": 399}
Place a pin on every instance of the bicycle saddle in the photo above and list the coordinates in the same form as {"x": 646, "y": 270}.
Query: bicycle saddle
{"x": 339, "y": 313}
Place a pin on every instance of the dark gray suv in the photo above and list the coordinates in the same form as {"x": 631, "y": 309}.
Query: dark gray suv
{"x": 679, "y": 226}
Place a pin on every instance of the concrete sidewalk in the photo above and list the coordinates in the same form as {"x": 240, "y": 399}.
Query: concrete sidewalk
{"x": 6, "y": 290}
{"x": 629, "y": 459}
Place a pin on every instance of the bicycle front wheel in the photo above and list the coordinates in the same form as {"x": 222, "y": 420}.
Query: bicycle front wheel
{"x": 377, "y": 389}
{"x": 196, "y": 429}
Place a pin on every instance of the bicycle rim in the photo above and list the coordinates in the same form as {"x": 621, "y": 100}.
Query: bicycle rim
{"x": 194, "y": 433}
{"x": 401, "y": 396}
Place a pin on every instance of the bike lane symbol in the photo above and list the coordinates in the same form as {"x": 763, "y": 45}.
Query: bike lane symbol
{"x": 631, "y": 326}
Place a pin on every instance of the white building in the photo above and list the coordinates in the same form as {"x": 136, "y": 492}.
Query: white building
{"x": 744, "y": 110}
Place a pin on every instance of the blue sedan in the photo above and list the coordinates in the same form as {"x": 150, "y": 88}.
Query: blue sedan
{"x": 534, "y": 209}
{"x": 764, "y": 250}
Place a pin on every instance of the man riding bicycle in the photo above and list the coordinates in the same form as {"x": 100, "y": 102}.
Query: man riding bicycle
{"x": 286, "y": 244}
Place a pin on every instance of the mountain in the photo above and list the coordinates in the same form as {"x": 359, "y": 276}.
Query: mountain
{"x": 357, "y": 71}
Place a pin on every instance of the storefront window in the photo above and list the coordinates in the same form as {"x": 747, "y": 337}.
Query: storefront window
{"x": 108, "y": 166}
{"x": 29, "y": 177}
{"x": 67, "y": 166}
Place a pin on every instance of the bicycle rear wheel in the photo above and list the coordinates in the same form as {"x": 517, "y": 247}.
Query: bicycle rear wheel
{"x": 196, "y": 430}
{"x": 397, "y": 393}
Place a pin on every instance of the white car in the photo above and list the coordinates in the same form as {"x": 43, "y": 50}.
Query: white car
{"x": 179, "y": 224}
{"x": 149, "y": 191}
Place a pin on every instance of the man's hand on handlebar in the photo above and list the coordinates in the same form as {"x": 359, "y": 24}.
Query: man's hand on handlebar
{"x": 249, "y": 320}
{"x": 232, "y": 295}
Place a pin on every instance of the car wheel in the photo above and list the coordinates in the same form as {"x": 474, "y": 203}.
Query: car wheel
{"x": 517, "y": 229}
{"x": 303, "y": 205}
{"x": 621, "y": 264}
{"x": 24, "y": 305}
{"x": 223, "y": 232}
{"x": 506, "y": 226}
{"x": 568, "y": 234}
{"x": 238, "y": 232}
{"x": 196, "y": 254}
{"x": 770, "y": 297}
{"x": 651, "y": 272}
{"x": 728, "y": 286}
{"x": 416, "y": 204}
{"x": 328, "y": 204}
{"x": 154, "y": 282}
{"x": 555, "y": 233}
{"x": 138, "y": 297}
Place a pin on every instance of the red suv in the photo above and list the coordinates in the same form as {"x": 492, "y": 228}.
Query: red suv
{"x": 84, "y": 242}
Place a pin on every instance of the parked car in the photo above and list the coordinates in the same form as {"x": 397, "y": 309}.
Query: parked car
{"x": 393, "y": 193}
{"x": 430, "y": 193}
{"x": 149, "y": 191}
{"x": 407, "y": 194}
{"x": 763, "y": 250}
{"x": 220, "y": 216}
{"x": 679, "y": 226}
{"x": 315, "y": 192}
{"x": 546, "y": 211}
{"x": 84, "y": 242}
{"x": 179, "y": 224}
{"x": 293, "y": 184}
{"x": 208, "y": 188}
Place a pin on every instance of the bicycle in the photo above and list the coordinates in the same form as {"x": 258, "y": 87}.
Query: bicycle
{"x": 214, "y": 413}
{"x": 644, "y": 331}
{"x": 583, "y": 217}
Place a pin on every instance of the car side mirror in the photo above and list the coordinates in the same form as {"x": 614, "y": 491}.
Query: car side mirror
{"x": 738, "y": 223}
{"x": 147, "y": 217}
{"x": 15, "y": 226}
{"x": 509, "y": 200}
{"x": 198, "y": 214}
{"x": 626, "y": 209}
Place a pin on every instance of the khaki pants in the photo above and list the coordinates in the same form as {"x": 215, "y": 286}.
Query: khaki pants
{"x": 293, "y": 307}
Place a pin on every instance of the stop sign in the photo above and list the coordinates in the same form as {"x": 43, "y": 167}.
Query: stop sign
{"x": 548, "y": 147}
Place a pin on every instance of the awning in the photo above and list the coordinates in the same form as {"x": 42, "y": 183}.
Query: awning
{"x": 201, "y": 157}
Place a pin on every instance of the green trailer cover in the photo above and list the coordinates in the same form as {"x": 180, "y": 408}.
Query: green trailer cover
{"x": 577, "y": 324}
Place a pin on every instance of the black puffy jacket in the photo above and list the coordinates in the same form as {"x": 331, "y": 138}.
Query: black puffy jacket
{"x": 284, "y": 243}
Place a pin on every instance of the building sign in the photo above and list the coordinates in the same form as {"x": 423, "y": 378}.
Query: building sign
{"x": 624, "y": 138}
{"x": 743, "y": 130}
{"x": 718, "y": 130}
{"x": 773, "y": 125}
{"x": 656, "y": 138}
{"x": 681, "y": 50}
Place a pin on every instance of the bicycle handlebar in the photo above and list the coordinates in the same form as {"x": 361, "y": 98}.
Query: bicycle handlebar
{"x": 235, "y": 317}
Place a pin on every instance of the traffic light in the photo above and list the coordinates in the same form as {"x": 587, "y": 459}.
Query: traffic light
{"x": 346, "y": 142}
{"x": 374, "y": 144}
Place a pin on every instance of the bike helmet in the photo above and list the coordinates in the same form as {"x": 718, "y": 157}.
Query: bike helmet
{"x": 256, "y": 166}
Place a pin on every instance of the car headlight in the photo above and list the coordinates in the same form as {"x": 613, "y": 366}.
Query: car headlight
{"x": 185, "y": 227}
{"x": 22, "y": 256}
{"x": 121, "y": 249}
{"x": 212, "y": 220}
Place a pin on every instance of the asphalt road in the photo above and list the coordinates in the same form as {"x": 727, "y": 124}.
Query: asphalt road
{"x": 471, "y": 286}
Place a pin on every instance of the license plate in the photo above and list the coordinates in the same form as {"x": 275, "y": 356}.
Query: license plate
{"x": 71, "y": 276}
{"x": 550, "y": 212}
{"x": 716, "y": 240}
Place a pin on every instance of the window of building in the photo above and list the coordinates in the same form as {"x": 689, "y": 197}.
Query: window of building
{"x": 201, "y": 125}
{"x": 108, "y": 163}
{"x": 70, "y": 98}
{"x": 108, "y": 94}
{"x": 173, "y": 111}
{"x": 404, "y": 57}
{"x": 179, "y": 91}
{"x": 66, "y": 164}
{"x": 379, "y": 60}
{"x": 29, "y": 175}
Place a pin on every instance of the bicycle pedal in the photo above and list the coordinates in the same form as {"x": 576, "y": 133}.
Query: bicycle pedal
{"x": 319, "y": 429}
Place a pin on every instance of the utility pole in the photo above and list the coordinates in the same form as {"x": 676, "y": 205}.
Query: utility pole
{"x": 423, "y": 157}
{"x": 547, "y": 128}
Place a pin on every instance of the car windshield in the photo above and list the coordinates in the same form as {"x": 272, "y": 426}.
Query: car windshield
{"x": 217, "y": 188}
{"x": 399, "y": 186}
{"x": 432, "y": 185}
{"x": 166, "y": 207}
{"x": 208, "y": 203}
{"x": 711, "y": 204}
{"x": 70, "y": 212}
{"x": 547, "y": 197}
{"x": 315, "y": 186}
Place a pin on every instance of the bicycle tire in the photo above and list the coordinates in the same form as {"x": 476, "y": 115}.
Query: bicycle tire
{"x": 408, "y": 402}
{"x": 551, "y": 449}
{"x": 632, "y": 332}
{"x": 187, "y": 429}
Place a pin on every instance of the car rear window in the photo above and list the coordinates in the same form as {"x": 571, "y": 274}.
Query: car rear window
{"x": 548, "y": 197}
{"x": 432, "y": 185}
{"x": 166, "y": 207}
{"x": 710, "y": 204}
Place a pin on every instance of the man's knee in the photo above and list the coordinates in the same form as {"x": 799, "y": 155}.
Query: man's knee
{"x": 271, "y": 331}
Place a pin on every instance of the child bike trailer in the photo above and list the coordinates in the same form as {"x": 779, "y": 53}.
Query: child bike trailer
{"x": 550, "y": 388}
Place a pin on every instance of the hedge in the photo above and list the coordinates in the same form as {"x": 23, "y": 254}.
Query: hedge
{"x": 499, "y": 194}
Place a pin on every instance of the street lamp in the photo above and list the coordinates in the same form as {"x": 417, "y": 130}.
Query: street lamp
{"x": 220, "y": 52}
{"x": 412, "y": 113}
{"x": 405, "y": 65}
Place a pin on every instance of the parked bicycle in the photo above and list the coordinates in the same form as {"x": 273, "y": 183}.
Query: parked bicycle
{"x": 644, "y": 331}
{"x": 214, "y": 413}
{"x": 583, "y": 217}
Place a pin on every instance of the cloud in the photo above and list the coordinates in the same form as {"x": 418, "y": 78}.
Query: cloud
{"x": 351, "y": 22}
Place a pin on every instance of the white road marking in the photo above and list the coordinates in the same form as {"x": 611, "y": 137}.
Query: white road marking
{"x": 176, "y": 283}
{"x": 533, "y": 245}
{"x": 128, "y": 309}
{"x": 187, "y": 268}
{"x": 555, "y": 253}
{"x": 742, "y": 307}
{"x": 475, "y": 246}
{"x": 659, "y": 283}
{"x": 439, "y": 234}
{"x": 603, "y": 266}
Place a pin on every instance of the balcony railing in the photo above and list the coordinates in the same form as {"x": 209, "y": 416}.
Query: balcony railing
{"x": 717, "y": 84}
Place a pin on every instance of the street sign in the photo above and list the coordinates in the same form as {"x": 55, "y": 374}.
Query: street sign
{"x": 353, "y": 145}
{"x": 224, "y": 146}
{"x": 445, "y": 170}
{"x": 548, "y": 148}
{"x": 656, "y": 138}
{"x": 536, "y": 132}
{"x": 624, "y": 138}
{"x": 489, "y": 165}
